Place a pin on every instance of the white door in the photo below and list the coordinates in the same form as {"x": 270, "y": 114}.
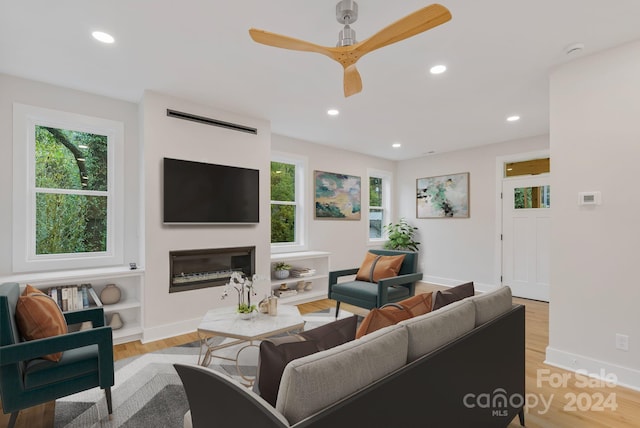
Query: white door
{"x": 526, "y": 235}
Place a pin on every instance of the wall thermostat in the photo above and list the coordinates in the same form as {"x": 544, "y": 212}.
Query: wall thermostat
{"x": 589, "y": 198}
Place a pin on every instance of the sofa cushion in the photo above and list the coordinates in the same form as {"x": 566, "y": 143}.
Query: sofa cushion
{"x": 393, "y": 313}
{"x": 316, "y": 381}
{"x": 492, "y": 304}
{"x": 276, "y": 352}
{"x": 38, "y": 316}
{"x": 453, "y": 294}
{"x": 430, "y": 331}
{"x": 376, "y": 267}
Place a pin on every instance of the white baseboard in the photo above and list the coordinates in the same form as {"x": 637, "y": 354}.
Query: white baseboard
{"x": 626, "y": 377}
{"x": 166, "y": 331}
{"x": 449, "y": 282}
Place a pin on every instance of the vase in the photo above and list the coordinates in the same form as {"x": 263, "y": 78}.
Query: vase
{"x": 244, "y": 315}
{"x": 116, "y": 322}
{"x": 110, "y": 294}
{"x": 282, "y": 274}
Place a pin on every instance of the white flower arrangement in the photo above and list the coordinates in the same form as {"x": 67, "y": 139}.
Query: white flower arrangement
{"x": 245, "y": 287}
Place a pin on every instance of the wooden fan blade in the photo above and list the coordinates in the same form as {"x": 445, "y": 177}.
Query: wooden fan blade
{"x": 286, "y": 42}
{"x": 415, "y": 23}
{"x": 352, "y": 81}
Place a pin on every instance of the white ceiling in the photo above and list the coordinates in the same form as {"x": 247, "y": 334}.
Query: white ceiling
{"x": 498, "y": 52}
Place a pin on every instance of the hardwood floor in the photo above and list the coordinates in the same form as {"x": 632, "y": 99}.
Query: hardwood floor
{"x": 563, "y": 401}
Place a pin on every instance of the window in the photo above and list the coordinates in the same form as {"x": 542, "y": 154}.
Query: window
{"x": 287, "y": 208}
{"x": 67, "y": 200}
{"x": 379, "y": 204}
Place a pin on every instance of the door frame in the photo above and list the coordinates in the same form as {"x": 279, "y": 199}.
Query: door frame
{"x": 500, "y": 161}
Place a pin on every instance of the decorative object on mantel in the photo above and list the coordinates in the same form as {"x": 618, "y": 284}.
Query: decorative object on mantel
{"x": 245, "y": 289}
{"x": 110, "y": 294}
{"x": 281, "y": 270}
{"x": 116, "y": 322}
{"x": 443, "y": 196}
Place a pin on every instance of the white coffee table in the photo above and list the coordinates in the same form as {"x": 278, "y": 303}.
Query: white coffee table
{"x": 226, "y": 322}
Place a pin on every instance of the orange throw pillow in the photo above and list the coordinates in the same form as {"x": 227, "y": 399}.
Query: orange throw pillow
{"x": 393, "y": 313}
{"x": 376, "y": 267}
{"x": 419, "y": 304}
{"x": 382, "y": 317}
{"x": 38, "y": 316}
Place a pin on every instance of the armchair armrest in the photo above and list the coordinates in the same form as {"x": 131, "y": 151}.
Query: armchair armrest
{"x": 100, "y": 336}
{"x": 385, "y": 283}
{"x": 400, "y": 279}
{"x": 334, "y": 275}
{"x": 95, "y": 315}
{"x": 232, "y": 399}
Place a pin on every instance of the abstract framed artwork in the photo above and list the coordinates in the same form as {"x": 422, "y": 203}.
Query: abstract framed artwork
{"x": 337, "y": 196}
{"x": 443, "y": 196}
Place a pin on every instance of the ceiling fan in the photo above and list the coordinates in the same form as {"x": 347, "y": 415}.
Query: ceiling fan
{"x": 348, "y": 51}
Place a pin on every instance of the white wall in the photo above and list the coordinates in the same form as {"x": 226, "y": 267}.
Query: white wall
{"x": 13, "y": 89}
{"x": 168, "y": 314}
{"x": 346, "y": 240}
{"x": 595, "y": 145}
{"x": 453, "y": 251}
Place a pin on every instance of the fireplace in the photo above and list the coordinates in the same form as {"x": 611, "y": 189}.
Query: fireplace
{"x": 193, "y": 269}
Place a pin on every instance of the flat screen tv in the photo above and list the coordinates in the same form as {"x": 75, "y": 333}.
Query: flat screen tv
{"x": 202, "y": 193}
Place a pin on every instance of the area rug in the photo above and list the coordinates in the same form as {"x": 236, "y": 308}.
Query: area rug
{"x": 148, "y": 391}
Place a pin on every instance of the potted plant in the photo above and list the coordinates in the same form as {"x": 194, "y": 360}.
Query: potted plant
{"x": 400, "y": 236}
{"x": 281, "y": 270}
{"x": 245, "y": 288}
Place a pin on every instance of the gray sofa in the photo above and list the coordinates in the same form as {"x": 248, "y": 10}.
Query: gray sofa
{"x": 435, "y": 370}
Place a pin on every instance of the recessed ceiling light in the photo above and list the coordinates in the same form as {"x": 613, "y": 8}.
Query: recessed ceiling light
{"x": 438, "y": 69}
{"x": 396, "y": 145}
{"x": 513, "y": 118}
{"x": 333, "y": 112}
{"x": 103, "y": 37}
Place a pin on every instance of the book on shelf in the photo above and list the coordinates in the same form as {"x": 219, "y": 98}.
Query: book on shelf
{"x": 285, "y": 293}
{"x": 300, "y": 272}
{"x": 73, "y": 297}
{"x": 94, "y": 295}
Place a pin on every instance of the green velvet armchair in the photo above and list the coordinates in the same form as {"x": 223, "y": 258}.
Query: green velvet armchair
{"x": 371, "y": 295}
{"x": 27, "y": 380}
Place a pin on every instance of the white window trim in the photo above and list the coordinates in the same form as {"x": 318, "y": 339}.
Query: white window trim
{"x": 301, "y": 232}
{"x": 387, "y": 185}
{"x": 25, "y": 118}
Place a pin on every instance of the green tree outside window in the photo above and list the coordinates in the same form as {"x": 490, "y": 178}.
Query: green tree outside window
{"x": 283, "y": 202}
{"x": 71, "y": 191}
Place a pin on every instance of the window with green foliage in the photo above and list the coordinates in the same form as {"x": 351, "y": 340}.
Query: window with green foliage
{"x": 71, "y": 191}
{"x": 379, "y": 193}
{"x": 286, "y": 197}
{"x": 379, "y": 189}
{"x": 376, "y": 212}
{"x": 68, "y": 186}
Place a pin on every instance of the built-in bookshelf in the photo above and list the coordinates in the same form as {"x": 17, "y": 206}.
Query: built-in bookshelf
{"x": 308, "y": 279}
{"x": 130, "y": 282}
